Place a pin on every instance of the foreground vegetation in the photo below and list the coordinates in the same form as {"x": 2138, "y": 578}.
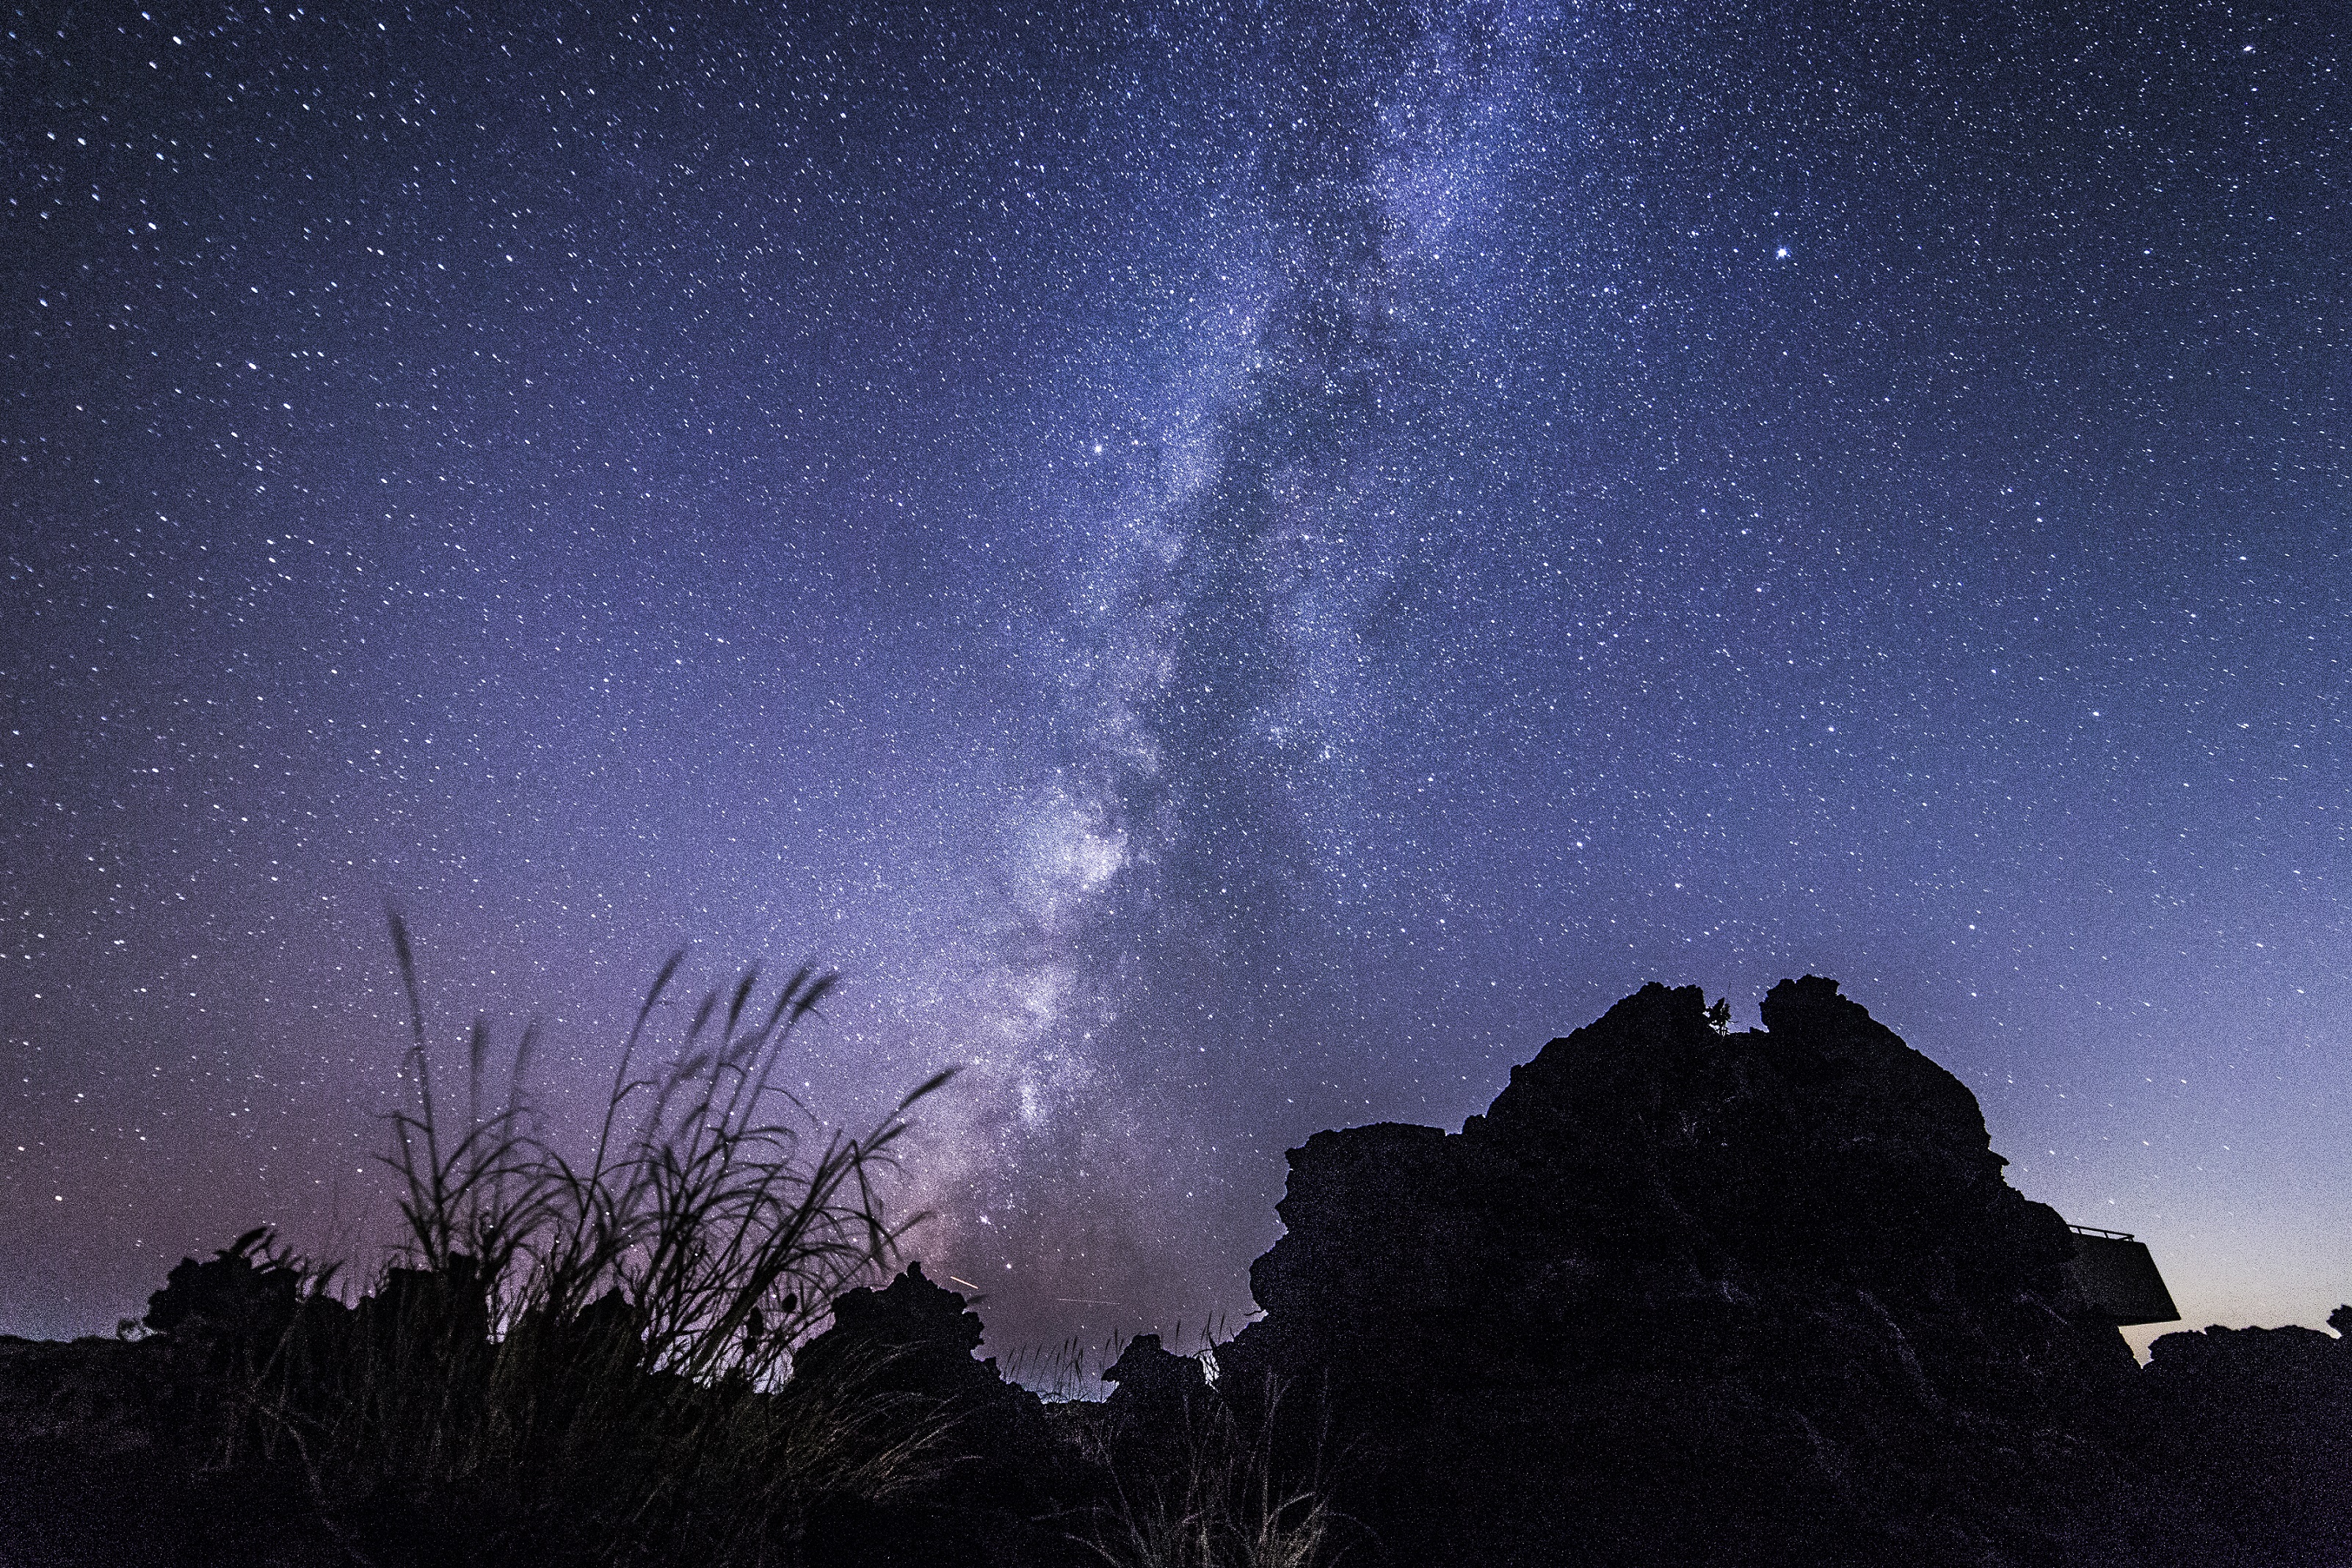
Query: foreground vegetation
{"x": 586, "y": 1359}
{"x": 1679, "y": 1296}
{"x": 615, "y": 1357}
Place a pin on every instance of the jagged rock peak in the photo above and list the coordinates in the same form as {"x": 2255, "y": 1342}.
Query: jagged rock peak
{"x": 1658, "y": 1046}
{"x": 910, "y": 1311}
{"x": 1782, "y": 1264}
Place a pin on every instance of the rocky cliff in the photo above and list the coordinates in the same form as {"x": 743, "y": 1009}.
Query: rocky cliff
{"x": 1686, "y": 1296}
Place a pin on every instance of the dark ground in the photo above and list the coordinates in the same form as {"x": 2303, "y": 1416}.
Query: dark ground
{"x": 1679, "y": 1296}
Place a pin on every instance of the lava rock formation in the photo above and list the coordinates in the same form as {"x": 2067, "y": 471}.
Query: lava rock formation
{"x": 1686, "y": 1296}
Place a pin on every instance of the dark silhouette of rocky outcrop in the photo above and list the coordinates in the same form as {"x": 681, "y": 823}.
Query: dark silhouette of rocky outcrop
{"x": 2257, "y": 1424}
{"x": 914, "y": 1338}
{"x": 1154, "y": 1413}
{"x": 1154, "y": 1387}
{"x": 111, "y": 1451}
{"x": 1683, "y": 1296}
{"x": 1006, "y": 1481}
{"x": 1680, "y": 1295}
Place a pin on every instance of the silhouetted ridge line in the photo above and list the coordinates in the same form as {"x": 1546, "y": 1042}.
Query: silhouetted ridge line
{"x": 1679, "y": 1296}
{"x": 1682, "y": 1295}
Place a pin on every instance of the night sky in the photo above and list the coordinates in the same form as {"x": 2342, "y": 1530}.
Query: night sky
{"x": 1235, "y": 569}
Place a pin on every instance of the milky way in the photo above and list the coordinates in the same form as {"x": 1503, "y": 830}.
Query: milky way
{"x": 1236, "y": 570}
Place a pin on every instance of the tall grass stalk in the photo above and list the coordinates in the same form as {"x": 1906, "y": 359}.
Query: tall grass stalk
{"x": 587, "y": 1357}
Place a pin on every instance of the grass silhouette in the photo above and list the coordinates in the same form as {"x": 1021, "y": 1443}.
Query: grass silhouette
{"x": 597, "y": 1359}
{"x": 585, "y": 1361}
{"x": 1224, "y": 1501}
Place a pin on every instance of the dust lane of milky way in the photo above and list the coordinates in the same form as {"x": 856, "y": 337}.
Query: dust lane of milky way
{"x": 1236, "y": 570}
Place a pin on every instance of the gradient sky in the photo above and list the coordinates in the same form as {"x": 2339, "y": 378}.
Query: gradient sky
{"x": 1235, "y": 568}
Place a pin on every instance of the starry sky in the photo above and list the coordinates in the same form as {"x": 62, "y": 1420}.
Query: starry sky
{"x": 1235, "y": 568}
